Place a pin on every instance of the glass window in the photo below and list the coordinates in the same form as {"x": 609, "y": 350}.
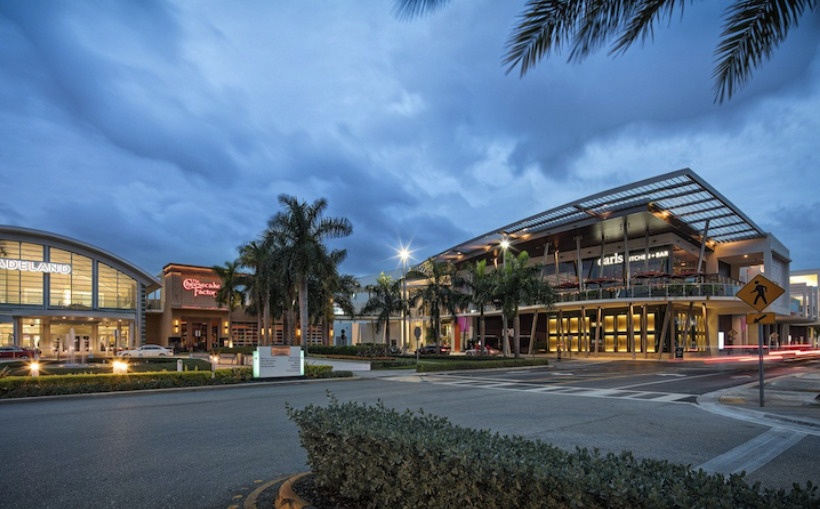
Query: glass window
{"x": 73, "y": 290}
{"x": 21, "y": 286}
{"x": 115, "y": 290}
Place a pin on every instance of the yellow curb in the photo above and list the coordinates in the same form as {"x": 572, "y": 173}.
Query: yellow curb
{"x": 250, "y": 502}
{"x": 287, "y": 498}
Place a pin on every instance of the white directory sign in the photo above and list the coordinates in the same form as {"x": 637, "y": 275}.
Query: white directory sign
{"x": 278, "y": 361}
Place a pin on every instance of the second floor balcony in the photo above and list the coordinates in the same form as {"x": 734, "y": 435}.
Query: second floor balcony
{"x": 649, "y": 286}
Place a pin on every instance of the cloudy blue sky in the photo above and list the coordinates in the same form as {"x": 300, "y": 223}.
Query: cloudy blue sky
{"x": 163, "y": 131}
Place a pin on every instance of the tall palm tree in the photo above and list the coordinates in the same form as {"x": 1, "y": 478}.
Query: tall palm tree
{"x": 300, "y": 231}
{"x": 268, "y": 285}
{"x": 481, "y": 287}
{"x": 385, "y": 302}
{"x": 437, "y": 294}
{"x": 519, "y": 282}
{"x": 341, "y": 287}
{"x": 232, "y": 291}
{"x": 751, "y": 31}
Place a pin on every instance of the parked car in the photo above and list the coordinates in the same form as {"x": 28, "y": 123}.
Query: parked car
{"x": 146, "y": 351}
{"x": 15, "y": 352}
{"x": 434, "y": 350}
{"x": 483, "y": 350}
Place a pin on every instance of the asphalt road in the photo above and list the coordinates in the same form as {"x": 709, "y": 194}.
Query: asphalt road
{"x": 209, "y": 448}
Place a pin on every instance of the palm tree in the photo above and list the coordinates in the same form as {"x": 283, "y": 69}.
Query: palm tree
{"x": 342, "y": 287}
{"x": 482, "y": 286}
{"x": 385, "y": 301}
{"x": 300, "y": 231}
{"x": 329, "y": 289}
{"x": 752, "y": 30}
{"x": 519, "y": 282}
{"x": 437, "y": 294}
{"x": 232, "y": 291}
{"x": 256, "y": 256}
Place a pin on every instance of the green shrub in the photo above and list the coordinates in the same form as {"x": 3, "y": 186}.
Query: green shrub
{"x": 233, "y": 375}
{"x": 367, "y": 454}
{"x": 361, "y": 350}
{"x": 478, "y": 363}
{"x": 26, "y": 386}
{"x": 315, "y": 371}
{"x": 392, "y": 363}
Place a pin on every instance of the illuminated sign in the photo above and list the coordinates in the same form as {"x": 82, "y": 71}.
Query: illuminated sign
{"x": 32, "y": 266}
{"x": 200, "y": 288}
{"x": 617, "y": 258}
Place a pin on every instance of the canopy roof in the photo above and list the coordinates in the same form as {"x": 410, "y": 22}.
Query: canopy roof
{"x": 680, "y": 201}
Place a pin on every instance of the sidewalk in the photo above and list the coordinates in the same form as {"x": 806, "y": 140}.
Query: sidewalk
{"x": 788, "y": 401}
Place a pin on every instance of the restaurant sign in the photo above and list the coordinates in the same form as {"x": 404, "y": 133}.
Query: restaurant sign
{"x": 618, "y": 258}
{"x": 200, "y": 288}
{"x": 33, "y": 266}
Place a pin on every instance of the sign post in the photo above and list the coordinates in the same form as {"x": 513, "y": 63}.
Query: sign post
{"x": 760, "y": 293}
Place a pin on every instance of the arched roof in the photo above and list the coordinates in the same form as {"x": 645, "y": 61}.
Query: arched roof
{"x": 62, "y": 242}
{"x": 681, "y": 201}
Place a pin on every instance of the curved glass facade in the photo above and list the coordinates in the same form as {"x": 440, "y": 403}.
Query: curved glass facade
{"x": 62, "y": 296}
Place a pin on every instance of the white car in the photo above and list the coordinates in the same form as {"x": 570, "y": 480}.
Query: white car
{"x": 146, "y": 351}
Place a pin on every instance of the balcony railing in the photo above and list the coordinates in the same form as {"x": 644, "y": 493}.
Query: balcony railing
{"x": 645, "y": 288}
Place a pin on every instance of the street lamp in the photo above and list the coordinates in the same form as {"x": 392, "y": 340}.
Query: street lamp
{"x": 404, "y": 254}
{"x": 505, "y": 244}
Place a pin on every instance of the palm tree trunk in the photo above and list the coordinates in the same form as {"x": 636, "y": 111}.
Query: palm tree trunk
{"x": 303, "y": 311}
{"x": 517, "y": 335}
{"x": 266, "y": 318}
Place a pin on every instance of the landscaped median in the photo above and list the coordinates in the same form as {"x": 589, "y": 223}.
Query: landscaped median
{"x": 85, "y": 383}
{"x": 364, "y": 456}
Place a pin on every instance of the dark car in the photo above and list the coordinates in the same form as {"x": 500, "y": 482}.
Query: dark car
{"x": 434, "y": 350}
{"x": 15, "y": 352}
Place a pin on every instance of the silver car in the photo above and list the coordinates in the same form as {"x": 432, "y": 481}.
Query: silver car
{"x": 146, "y": 351}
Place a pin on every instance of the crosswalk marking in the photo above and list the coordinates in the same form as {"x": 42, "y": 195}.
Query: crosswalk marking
{"x": 566, "y": 390}
{"x": 755, "y": 453}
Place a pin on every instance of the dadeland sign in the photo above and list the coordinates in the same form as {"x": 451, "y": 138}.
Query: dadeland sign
{"x": 34, "y": 266}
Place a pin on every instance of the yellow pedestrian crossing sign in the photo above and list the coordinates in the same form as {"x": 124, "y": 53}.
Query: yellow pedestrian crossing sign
{"x": 760, "y": 319}
{"x": 759, "y": 293}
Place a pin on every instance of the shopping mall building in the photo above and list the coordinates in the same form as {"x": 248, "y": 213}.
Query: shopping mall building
{"x": 60, "y": 295}
{"x": 650, "y": 265}
{"x": 640, "y": 270}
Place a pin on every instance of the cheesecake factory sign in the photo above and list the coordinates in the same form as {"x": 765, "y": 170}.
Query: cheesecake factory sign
{"x": 200, "y": 288}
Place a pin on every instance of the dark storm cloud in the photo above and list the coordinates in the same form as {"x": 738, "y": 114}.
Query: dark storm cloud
{"x": 181, "y": 122}
{"x": 117, "y": 68}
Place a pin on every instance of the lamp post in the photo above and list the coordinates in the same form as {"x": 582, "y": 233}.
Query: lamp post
{"x": 505, "y": 244}
{"x": 404, "y": 254}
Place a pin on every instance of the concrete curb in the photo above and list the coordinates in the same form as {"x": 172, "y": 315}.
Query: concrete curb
{"x": 288, "y": 499}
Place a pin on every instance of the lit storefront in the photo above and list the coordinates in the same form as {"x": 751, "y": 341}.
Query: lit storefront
{"x": 185, "y": 314}
{"x": 643, "y": 269}
{"x": 60, "y": 295}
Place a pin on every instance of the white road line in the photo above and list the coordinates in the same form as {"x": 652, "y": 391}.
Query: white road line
{"x": 568, "y": 390}
{"x": 688, "y": 377}
{"x": 755, "y": 453}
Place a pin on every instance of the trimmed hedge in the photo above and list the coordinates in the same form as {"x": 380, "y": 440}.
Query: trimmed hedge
{"x": 360, "y": 350}
{"x": 367, "y": 455}
{"x": 26, "y": 386}
{"x": 453, "y": 365}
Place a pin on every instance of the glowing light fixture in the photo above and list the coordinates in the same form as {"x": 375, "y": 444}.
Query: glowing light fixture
{"x": 120, "y": 367}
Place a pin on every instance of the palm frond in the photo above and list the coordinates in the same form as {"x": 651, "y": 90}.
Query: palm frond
{"x": 543, "y": 28}
{"x": 753, "y": 30}
{"x": 408, "y": 9}
{"x": 640, "y": 19}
